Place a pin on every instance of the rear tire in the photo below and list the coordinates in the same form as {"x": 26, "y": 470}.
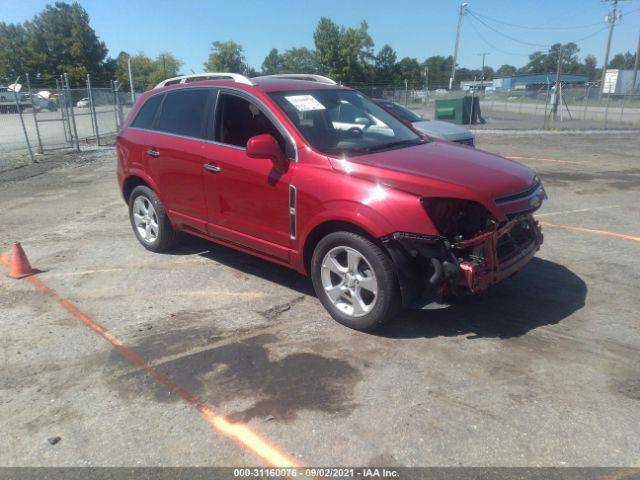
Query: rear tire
{"x": 355, "y": 281}
{"x": 149, "y": 220}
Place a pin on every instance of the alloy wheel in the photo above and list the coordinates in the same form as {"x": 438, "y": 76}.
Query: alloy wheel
{"x": 145, "y": 219}
{"x": 349, "y": 281}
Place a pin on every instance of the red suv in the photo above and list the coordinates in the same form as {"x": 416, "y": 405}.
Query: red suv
{"x": 315, "y": 176}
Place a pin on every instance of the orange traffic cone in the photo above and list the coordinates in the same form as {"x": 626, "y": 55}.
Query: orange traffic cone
{"x": 20, "y": 266}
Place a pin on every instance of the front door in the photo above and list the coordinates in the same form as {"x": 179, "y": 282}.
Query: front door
{"x": 247, "y": 198}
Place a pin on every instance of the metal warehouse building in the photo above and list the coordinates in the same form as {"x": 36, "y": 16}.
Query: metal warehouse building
{"x": 536, "y": 80}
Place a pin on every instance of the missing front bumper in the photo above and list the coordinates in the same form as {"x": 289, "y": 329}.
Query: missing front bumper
{"x": 430, "y": 267}
{"x": 498, "y": 262}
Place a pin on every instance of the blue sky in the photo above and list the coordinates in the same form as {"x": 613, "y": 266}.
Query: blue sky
{"x": 413, "y": 28}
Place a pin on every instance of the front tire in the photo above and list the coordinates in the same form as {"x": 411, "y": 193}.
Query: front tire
{"x": 149, "y": 220}
{"x": 355, "y": 281}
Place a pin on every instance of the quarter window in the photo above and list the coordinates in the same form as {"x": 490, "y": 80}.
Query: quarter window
{"x": 183, "y": 112}
{"x": 147, "y": 113}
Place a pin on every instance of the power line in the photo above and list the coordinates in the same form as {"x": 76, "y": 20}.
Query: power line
{"x": 513, "y": 39}
{"x": 534, "y": 44}
{"x": 590, "y": 35}
{"x": 576, "y": 27}
{"x": 498, "y": 49}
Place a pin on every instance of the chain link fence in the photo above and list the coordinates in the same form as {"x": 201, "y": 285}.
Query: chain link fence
{"x": 579, "y": 107}
{"x": 46, "y": 117}
{"x": 40, "y": 118}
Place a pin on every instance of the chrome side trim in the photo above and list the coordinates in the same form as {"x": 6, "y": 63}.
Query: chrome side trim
{"x": 293, "y": 201}
{"x": 534, "y": 191}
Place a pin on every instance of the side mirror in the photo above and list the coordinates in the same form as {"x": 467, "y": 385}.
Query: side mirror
{"x": 265, "y": 146}
{"x": 362, "y": 121}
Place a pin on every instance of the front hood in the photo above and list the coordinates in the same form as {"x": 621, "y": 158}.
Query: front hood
{"x": 445, "y": 130}
{"x": 441, "y": 169}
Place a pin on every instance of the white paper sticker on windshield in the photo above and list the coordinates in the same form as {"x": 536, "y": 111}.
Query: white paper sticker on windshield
{"x": 305, "y": 103}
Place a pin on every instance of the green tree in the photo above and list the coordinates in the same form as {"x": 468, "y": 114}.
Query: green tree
{"x": 439, "y": 71}
{"x": 13, "y": 52}
{"x": 60, "y": 39}
{"x": 226, "y": 57}
{"x": 623, "y": 61}
{"x": 385, "y": 65}
{"x": 541, "y": 62}
{"x": 589, "y": 67}
{"x": 506, "y": 71}
{"x": 273, "y": 63}
{"x": 355, "y": 54}
{"x": 327, "y": 41}
{"x": 409, "y": 69}
{"x": 146, "y": 72}
{"x": 299, "y": 60}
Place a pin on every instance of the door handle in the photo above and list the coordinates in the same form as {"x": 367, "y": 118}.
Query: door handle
{"x": 153, "y": 153}
{"x": 212, "y": 168}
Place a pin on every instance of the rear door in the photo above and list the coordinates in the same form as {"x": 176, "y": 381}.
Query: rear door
{"x": 132, "y": 141}
{"x": 176, "y": 151}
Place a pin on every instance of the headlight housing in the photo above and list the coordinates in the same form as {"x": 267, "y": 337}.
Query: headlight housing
{"x": 457, "y": 219}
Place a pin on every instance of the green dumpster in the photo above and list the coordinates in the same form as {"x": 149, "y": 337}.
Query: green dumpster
{"x": 461, "y": 111}
{"x": 450, "y": 110}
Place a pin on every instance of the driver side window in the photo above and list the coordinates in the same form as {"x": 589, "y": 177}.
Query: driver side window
{"x": 349, "y": 113}
{"x": 237, "y": 120}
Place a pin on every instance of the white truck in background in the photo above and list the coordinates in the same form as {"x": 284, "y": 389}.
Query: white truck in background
{"x": 8, "y": 95}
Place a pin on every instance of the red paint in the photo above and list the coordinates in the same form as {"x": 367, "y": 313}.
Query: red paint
{"x": 246, "y": 205}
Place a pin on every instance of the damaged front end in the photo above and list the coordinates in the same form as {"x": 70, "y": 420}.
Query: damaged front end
{"x": 472, "y": 252}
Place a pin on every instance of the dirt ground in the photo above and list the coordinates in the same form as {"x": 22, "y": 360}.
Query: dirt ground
{"x": 541, "y": 370}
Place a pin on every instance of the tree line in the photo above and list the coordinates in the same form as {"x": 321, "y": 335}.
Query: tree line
{"x": 60, "y": 40}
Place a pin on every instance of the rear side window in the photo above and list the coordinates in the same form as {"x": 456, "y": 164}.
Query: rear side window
{"x": 147, "y": 113}
{"x": 183, "y": 112}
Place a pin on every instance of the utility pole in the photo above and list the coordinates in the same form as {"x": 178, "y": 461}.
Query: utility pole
{"x": 611, "y": 20}
{"x": 482, "y": 76}
{"x": 635, "y": 67}
{"x": 133, "y": 97}
{"x": 463, "y": 10}
{"x": 426, "y": 84}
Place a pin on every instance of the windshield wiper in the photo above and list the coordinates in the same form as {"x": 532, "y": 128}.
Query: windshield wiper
{"x": 389, "y": 146}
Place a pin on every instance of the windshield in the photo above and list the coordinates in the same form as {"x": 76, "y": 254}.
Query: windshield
{"x": 344, "y": 122}
{"x": 401, "y": 111}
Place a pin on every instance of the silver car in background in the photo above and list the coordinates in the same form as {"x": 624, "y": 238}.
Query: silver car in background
{"x": 433, "y": 128}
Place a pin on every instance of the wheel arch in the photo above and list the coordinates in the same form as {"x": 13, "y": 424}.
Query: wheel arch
{"x": 134, "y": 180}
{"x": 325, "y": 228}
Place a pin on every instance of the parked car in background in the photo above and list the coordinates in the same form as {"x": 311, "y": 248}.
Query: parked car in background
{"x": 316, "y": 177}
{"x": 433, "y": 128}
{"x": 13, "y": 99}
{"x": 40, "y": 102}
{"x": 83, "y": 103}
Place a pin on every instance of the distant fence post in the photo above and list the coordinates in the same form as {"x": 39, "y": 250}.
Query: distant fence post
{"x": 24, "y": 129}
{"x": 72, "y": 115}
{"x": 586, "y": 103}
{"x": 115, "y": 104}
{"x": 406, "y": 93}
{"x": 624, "y": 99}
{"x": 92, "y": 106}
{"x": 64, "y": 117}
{"x": 35, "y": 116}
{"x": 546, "y": 106}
